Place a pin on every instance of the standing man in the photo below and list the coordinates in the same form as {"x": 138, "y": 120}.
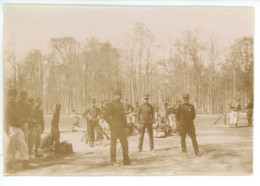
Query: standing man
{"x": 146, "y": 118}
{"x": 234, "y": 114}
{"x": 32, "y": 125}
{"x": 185, "y": 116}
{"x": 249, "y": 111}
{"x": 23, "y": 114}
{"x": 92, "y": 115}
{"x": 116, "y": 118}
{"x": 14, "y": 137}
{"x": 38, "y": 114}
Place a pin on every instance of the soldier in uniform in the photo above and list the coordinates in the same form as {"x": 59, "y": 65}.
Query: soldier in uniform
{"x": 234, "y": 114}
{"x": 146, "y": 118}
{"x": 116, "y": 118}
{"x": 249, "y": 111}
{"x": 14, "y": 137}
{"x": 23, "y": 114}
{"x": 32, "y": 125}
{"x": 38, "y": 116}
{"x": 92, "y": 115}
{"x": 185, "y": 116}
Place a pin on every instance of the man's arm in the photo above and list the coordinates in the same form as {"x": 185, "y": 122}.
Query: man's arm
{"x": 85, "y": 114}
{"x": 153, "y": 113}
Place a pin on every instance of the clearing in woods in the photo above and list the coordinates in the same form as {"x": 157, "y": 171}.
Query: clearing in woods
{"x": 225, "y": 151}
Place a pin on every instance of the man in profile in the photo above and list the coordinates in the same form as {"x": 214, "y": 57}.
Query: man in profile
{"x": 116, "y": 118}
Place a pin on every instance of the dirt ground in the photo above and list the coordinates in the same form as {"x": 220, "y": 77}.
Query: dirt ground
{"x": 225, "y": 151}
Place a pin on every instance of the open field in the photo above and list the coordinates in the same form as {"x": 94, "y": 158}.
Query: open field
{"x": 225, "y": 151}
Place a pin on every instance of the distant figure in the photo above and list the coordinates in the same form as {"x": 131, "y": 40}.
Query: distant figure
{"x": 185, "y": 116}
{"x": 145, "y": 118}
{"x": 250, "y": 110}
{"x": 116, "y": 118}
{"x": 92, "y": 114}
{"x": 234, "y": 114}
{"x": 38, "y": 116}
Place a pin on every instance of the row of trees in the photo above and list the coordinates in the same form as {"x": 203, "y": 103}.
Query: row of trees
{"x": 73, "y": 72}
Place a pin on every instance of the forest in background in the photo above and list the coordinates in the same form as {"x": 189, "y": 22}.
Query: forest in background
{"x": 73, "y": 72}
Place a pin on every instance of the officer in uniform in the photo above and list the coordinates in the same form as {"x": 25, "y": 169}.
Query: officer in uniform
{"x": 14, "y": 137}
{"x": 23, "y": 114}
{"x": 249, "y": 111}
{"x": 116, "y": 118}
{"x": 92, "y": 115}
{"x": 32, "y": 125}
{"x": 146, "y": 118}
{"x": 38, "y": 115}
{"x": 185, "y": 116}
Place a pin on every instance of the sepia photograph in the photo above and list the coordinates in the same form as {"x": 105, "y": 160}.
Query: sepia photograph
{"x": 128, "y": 90}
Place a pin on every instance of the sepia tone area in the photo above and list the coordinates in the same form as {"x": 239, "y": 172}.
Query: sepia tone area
{"x": 171, "y": 87}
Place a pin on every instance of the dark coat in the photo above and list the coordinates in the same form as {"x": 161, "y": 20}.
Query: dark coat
{"x": 185, "y": 114}
{"x": 115, "y": 115}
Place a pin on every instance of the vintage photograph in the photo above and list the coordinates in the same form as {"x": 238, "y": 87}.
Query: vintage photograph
{"x": 121, "y": 90}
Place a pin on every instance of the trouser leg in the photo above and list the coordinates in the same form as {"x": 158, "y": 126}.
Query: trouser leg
{"x": 141, "y": 138}
{"x": 192, "y": 135}
{"x": 38, "y": 138}
{"x": 113, "y": 144}
{"x": 249, "y": 116}
{"x": 21, "y": 145}
{"x": 150, "y": 134}
{"x": 9, "y": 148}
{"x": 124, "y": 143}
{"x": 25, "y": 131}
{"x": 183, "y": 139}
{"x": 31, "y": 139}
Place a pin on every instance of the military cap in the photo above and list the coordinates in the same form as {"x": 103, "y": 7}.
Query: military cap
{"x": 146, "y": 95}
{"x": 12, "y": 92}
{"x": 185, "y": 96}
{"x": 93, "y": 100}
{"x": 117, "y": 92}
{"x": 38, "y": 100}
{"x": 30, "y": 100}
{"x": 23, "y": 94}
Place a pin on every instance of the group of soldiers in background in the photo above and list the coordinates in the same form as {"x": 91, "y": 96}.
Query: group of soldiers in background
{"x": 122, "y": 119}
{"x": 24, "y": 124}
{"x": 235, "y": 107}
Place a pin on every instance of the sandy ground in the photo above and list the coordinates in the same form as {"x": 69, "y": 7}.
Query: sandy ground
{"x": 225, "y": 151}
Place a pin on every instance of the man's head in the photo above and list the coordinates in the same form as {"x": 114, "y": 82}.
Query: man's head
{"x": 185, "y": 98}
{"x": 38, "y": 102}
{"x": 23, "y": 96}
{"x": 93, "y": 101}
{"x": 12, "y": 93}
{"x": 30, "y": 101}
{"x": 117, "y": 94}
{"x": 146, "y": 98}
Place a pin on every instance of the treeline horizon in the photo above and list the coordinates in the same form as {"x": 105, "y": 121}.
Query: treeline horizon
{"x": 73, "y": 72}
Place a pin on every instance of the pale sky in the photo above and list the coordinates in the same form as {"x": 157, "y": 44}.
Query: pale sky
{"x": 32, "y": 26}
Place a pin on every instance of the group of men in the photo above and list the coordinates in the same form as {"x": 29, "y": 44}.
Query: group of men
{"x": 235, "y": 107}
{"x": 23, "y": 126}
{"x": 115, "y": 115}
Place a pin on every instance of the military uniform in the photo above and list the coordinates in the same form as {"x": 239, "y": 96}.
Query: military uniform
{"x": 38, "y": 116}
{"x": 145, "y": 118}
{"x": 116, "y": 118}
{"x": 92, "y": 115}
{"x": 250, "y": 107}
{"x": 185, "y": 116}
